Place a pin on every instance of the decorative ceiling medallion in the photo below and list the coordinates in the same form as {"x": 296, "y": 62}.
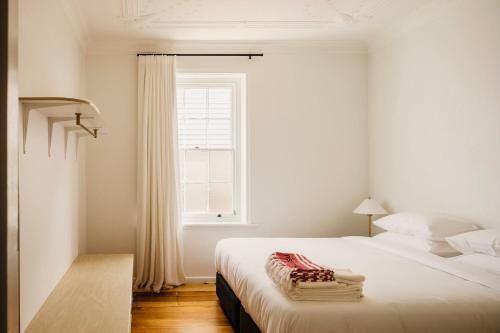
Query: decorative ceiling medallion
{"x": 147, "y": 14}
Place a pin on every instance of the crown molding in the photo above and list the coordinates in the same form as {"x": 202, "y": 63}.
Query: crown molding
{"x": 247, "y": 24}
{"x": 76, "y": 20}
{"x": 142, "y": 14}
{"x": 132, "y": 47}
{"x": 433, "y": 11}
{"x": 131, "y": 8}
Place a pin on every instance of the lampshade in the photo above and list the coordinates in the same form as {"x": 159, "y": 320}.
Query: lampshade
{"x": 370, "y": 207}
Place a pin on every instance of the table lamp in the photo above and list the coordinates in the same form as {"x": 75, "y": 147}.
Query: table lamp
{"x": 370, "y": 207}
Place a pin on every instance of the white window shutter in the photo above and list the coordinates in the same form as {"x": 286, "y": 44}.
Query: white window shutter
{"x": 205, "y": 117}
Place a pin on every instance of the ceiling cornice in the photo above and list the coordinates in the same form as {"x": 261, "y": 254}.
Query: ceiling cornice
{"x": 318, "y": 24}
{"x": 269, "y": 47}
{"x": 131, "y": 8}
{"x": 137, "y": 14}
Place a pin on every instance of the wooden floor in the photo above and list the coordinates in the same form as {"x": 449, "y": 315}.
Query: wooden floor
{"x": 190, "y": 308}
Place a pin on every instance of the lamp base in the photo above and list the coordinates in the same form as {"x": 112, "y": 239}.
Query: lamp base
{"x": 369, "y": 225}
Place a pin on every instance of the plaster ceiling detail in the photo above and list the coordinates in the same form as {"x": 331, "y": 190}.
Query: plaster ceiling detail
{"x": 242, "y": 19}
{"x": 157, "y": 14}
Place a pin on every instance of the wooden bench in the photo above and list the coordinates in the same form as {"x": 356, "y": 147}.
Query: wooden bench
{"x": 95, "y": 295}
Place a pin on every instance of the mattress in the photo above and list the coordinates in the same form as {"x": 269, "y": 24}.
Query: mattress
{"x": 405, "y": 289}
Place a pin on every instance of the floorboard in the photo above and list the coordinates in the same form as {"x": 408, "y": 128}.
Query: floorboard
{"x": 192, "y": 308}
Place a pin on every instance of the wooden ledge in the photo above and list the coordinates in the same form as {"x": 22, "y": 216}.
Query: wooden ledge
{"x": 95, "y": 295}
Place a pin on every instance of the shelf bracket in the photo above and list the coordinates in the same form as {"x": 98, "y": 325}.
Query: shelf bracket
{"x": 50, "y": 127}
{"x": 27, "y": 108}
{"x": 68, "y": 130}
{"x": 78, "y": 135}
{"x": 79, "y": 123}
{"x": 26, "y": 116}
{"x": 77, "y": 143}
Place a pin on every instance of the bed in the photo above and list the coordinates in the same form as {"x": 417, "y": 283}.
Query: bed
{"x": 406, "y": 290}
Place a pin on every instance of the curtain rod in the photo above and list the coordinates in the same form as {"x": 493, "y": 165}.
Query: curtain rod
{"x": 249, "y": 55}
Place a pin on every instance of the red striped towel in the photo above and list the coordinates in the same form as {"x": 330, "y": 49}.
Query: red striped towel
{"x": 302, "y": 269}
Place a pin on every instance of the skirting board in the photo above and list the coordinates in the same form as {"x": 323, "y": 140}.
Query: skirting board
{"x": 200, "y": 279}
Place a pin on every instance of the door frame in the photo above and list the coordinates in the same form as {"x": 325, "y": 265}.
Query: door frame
{"x": 9, "y": 207}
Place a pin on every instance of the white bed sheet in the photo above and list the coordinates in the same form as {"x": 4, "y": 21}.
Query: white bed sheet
{"x": 405, "y": 290}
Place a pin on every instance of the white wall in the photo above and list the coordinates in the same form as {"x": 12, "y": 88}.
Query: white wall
{"x": 434, "y": 112}
{"x": 307, "y": 146}
{"x": 111, "y": 165}
{"x": 52, "y": 190}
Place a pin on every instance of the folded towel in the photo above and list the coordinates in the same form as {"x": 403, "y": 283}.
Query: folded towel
{"x": 327, "y": 288}
{"x": 327, "y": 292}
{"x": 327, "y": 285}
{"x": 300, "y": 267}
{"x": 337, "y": 293}
{"x": 322, "y": 298}
{"x": 347, "y": 275}
{"x": 303, "y": 280}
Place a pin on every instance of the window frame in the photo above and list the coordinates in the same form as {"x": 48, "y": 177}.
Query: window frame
{"x": 238, "y": 82}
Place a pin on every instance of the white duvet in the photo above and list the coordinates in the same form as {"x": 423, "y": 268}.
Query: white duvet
{"x": 405, "y": 290}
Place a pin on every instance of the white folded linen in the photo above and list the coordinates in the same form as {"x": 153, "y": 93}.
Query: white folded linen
{"x": 347, "y": 285}
{"x": 328, "y": 291}
{"x": 347, "y": 275}
{"x": 326, "y": 285}
{"x": 333, "y": 293}
{"x": 322, "y": 298}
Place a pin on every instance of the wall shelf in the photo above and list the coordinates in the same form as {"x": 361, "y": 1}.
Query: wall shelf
{"x": 78, "y": 116}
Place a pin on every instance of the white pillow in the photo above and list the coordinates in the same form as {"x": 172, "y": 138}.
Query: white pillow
{"x": 482, "y": 261}
{"x": 485, "y": 241}
{"x": 440, "y": 248}
{"x": 430, "y": 226}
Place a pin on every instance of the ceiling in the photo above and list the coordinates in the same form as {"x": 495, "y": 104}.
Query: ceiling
{"x": 242, "y": 19}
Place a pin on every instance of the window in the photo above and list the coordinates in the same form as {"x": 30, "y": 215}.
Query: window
{"x": 211, "y": 135}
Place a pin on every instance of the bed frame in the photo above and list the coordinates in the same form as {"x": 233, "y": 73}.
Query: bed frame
{"x": 239, "y": 319}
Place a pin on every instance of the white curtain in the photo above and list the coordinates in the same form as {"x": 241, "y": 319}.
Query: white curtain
{"x": 159, "y": 247}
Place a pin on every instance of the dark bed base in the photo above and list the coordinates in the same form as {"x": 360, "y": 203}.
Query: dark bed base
{"x": 234, "y": 311}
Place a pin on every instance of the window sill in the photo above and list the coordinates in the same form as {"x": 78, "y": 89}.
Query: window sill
{"x": 196, "y": 225}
